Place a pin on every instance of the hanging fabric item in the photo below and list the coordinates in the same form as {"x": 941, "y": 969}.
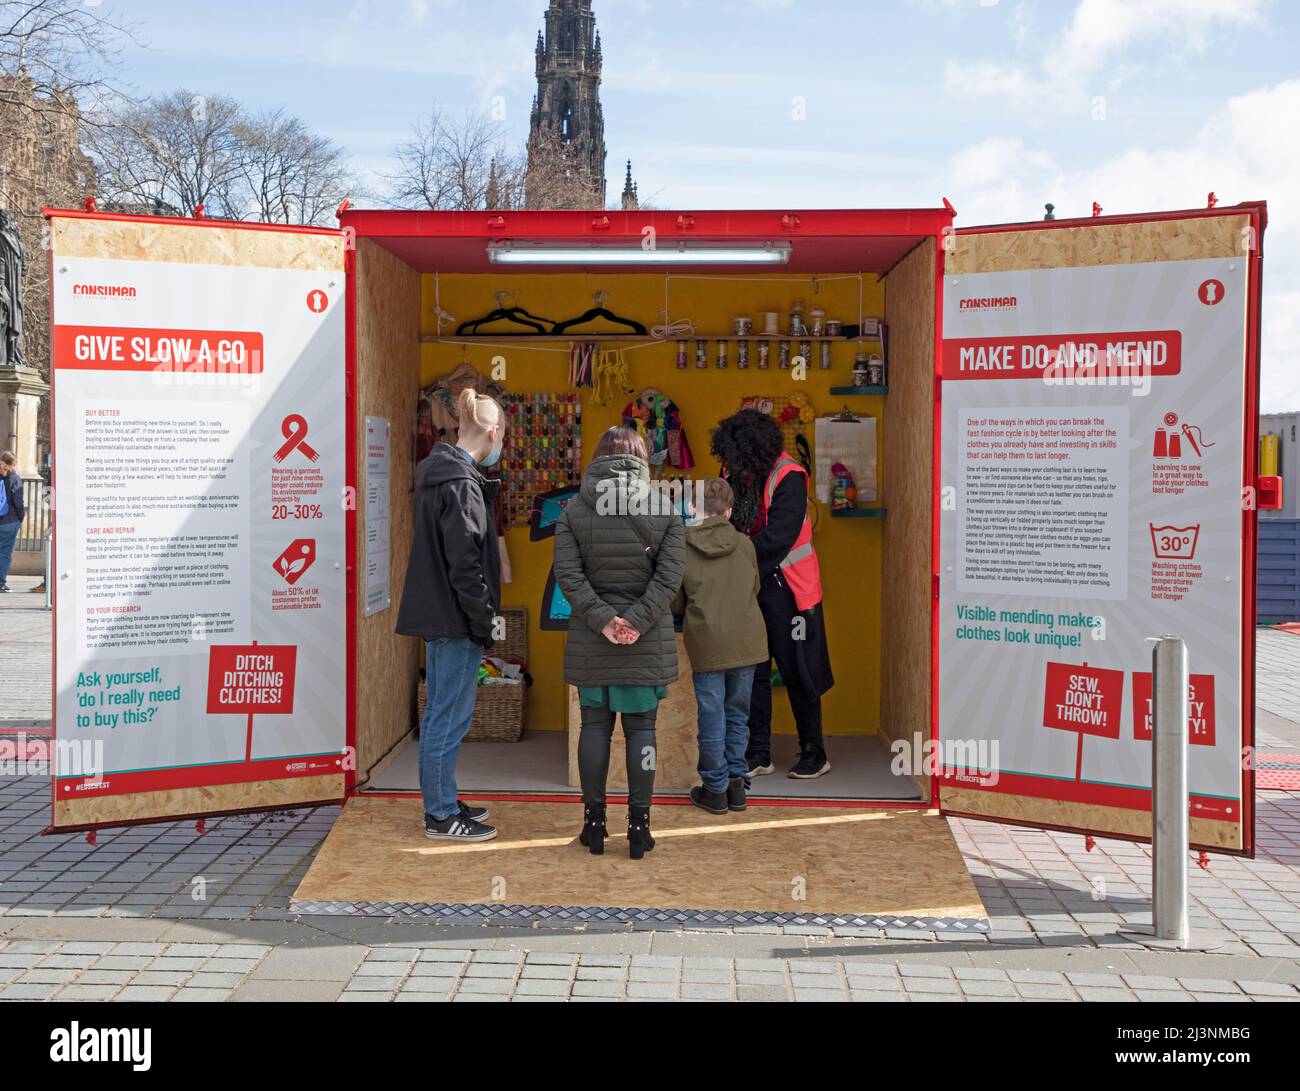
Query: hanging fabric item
{"x": 582, "y": 364}
{"x": 656, "y": 417}
{"x": 443, "y": 393}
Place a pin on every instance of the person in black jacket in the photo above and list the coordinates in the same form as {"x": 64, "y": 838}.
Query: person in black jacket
{"x": 451, "y": 596}
{"x": 772, "y": 508}
{"x": 11, "y": 512}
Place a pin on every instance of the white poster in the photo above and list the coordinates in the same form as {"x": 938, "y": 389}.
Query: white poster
{"x": 377, "y": 437}
{"x": 1092, "y": 454}
{"x": 200, "y": 455}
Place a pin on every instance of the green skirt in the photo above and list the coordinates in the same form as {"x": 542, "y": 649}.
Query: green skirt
{"x": 621, "y": 698}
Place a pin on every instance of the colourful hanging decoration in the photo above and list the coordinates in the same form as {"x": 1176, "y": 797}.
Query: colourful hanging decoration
{"x": 656, "y": 417}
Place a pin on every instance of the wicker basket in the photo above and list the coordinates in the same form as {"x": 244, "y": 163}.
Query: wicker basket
{"x": 499, "y": 711}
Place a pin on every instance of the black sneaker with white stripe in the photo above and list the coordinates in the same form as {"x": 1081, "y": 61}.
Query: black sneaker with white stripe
{"x": 478, "y": 814}
{"x": 457, "y": 828}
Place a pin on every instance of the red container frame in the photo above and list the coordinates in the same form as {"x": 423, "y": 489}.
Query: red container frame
{"x": 804, "y": 228}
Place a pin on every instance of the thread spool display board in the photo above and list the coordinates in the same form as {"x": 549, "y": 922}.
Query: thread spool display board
{"x": 1133, "y": 427}
{"x": 542, "y": 451}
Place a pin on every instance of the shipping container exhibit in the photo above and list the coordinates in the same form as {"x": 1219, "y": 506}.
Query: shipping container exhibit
{"x": 1033, "y": 446}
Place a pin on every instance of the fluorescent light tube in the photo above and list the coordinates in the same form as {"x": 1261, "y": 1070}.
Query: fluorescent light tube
{"x": 540, "y": 253}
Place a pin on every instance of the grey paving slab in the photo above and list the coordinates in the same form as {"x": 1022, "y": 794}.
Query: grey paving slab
{"x": 117, "y": 917}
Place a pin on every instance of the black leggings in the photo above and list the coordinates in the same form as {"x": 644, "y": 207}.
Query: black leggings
{"x": 593, "y": 754}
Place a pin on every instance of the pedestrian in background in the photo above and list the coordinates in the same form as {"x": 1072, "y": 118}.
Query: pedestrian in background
{"x": 11, "y": 512}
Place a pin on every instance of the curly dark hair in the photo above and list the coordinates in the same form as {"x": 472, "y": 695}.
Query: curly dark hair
{"x": 747, "y": 444}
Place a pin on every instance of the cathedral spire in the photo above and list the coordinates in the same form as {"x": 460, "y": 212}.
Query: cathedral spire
{"x": 630, "y": 200}
{"x": 567, "y": 123}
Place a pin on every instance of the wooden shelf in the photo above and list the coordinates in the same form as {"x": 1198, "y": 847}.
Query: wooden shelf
{"x": 638, "y": 338}
{"x": 860, "y": 390}
{"x": 858, "y": 513}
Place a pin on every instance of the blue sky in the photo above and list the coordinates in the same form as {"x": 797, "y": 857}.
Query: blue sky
{"x": 998, "y": 106}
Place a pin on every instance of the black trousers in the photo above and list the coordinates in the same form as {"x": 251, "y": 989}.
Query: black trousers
{"x": 594, "y": 742}
{"x": 805, "y": 702}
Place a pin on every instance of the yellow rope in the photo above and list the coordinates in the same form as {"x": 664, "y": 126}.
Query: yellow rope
{"x": 612, "y": 378}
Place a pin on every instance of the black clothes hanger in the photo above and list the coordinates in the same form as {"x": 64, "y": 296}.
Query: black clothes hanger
{"x": 599, "y": 311}
{"x": 517, "y": 315}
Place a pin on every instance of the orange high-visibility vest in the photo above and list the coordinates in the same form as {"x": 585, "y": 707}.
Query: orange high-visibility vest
{"x": 799, "y": 569}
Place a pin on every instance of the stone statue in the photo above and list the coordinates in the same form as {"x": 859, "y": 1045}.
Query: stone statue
{"x": 13, "y": 264}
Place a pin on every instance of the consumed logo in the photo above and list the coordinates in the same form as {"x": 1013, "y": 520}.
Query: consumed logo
{"x": 111, "y": 1045}
{"x": 117, "y": 291}
{"x": 988, "y": 303}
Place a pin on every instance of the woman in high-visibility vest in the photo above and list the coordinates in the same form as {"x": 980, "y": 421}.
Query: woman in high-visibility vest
{"x": 771, "y": 490}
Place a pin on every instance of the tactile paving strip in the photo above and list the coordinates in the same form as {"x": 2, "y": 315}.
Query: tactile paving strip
{"x": 528, "y": 915}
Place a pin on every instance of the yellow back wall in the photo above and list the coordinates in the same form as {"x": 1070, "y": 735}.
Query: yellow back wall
{"x": 849, "y": 549}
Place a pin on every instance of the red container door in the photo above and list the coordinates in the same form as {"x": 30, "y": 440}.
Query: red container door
{"x": 202, "y": 445}
{"x": 1098, "y": 431}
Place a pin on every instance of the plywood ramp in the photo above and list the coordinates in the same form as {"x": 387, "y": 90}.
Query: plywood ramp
{"x": 816, "y": 860}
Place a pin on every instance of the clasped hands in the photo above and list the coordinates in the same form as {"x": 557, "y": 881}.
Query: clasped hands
{"x": 619, "y": 631}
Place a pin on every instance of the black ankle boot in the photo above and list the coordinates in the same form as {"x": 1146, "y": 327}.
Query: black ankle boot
{"x": 713, "y": 802}
{"x": 594, "y": 831}
{"x": 639, "y": 841}
{"x": 736, "y": 797}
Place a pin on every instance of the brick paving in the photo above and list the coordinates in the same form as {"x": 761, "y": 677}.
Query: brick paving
{"x": 162, "y": 912}
{"x": 1277, "y": 679}
{"x": 25, "y": 627}
{"x": 188, "y": 970}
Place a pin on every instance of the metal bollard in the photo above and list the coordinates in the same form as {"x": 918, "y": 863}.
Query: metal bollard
{"x": 1169, "y": 804}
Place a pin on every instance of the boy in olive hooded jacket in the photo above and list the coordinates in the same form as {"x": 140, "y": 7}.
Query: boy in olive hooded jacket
{"x": 725, "y": 637}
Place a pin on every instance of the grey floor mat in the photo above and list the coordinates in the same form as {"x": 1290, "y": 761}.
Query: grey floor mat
{"x": 539, "y": 763}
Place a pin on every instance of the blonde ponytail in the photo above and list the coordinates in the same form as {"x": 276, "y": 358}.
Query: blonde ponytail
{"x": 467, "y": 408}
{"x": 473, "y": 414}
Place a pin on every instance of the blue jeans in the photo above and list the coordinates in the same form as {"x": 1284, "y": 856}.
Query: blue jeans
{"x": 722, "y": 698}
{"x": 8, "y": 536}
{"x": 451, "y": 681}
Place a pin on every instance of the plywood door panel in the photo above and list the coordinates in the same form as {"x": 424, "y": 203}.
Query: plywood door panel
{"x": 908, "y": 484}
{"x": 387, "y": 385}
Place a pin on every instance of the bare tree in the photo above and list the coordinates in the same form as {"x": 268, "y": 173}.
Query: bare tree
{"x": 58, "y": 50}
{"x": 170, "y": 154}
{"x": 464, "y": 162}
{"x": 52, "y": 52}
{"x": 287, "y": 173}
{"x": 448, "y": 162}
{"x": 558, "y": 175}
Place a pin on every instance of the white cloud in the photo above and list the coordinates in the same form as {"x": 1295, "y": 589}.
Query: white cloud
{"x": 1238, "y": 153}
{"x": 1096, "y": 37}
{"x": 1100, "y": 29}
{"x": 986, "y": 78}
{"x": 994, "y": 160}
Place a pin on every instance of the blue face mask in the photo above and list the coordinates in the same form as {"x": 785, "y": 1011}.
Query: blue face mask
{"x": 492, "y": 457}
